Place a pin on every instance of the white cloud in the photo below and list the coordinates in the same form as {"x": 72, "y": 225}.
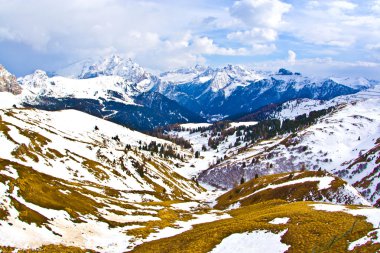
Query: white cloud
{"x": 161, "y": 34}
{"x": 204, "y": 45}
{"x": 182, "y": 51}
{"x": 255, "y": 34}
{"x": 292, "y": 56}
{"x": 341, "y": 24}
{"x": 260, "y": 40}
{"x": 82, "y": 28}
{"x": 260, "y": 13}
{"x": 263, "y": 48}
{"x": 375, "y": 6}
{"x": 260, "y": 19}
{"x": 342, "y": 5}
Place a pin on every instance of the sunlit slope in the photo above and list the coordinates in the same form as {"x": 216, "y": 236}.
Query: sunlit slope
{"x": 277, "y": 226}
{"x": 72, "y": 179}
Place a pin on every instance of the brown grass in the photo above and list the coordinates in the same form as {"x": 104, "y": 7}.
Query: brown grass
{"x": 308, "y": 230}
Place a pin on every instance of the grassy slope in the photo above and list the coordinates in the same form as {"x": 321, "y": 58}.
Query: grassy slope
{"x": 294, "y": 192}
{"x": 308, "y": 230}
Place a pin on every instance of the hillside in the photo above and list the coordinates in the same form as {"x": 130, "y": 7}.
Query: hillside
{"x": 340, "y": 136}
{"x": 294, "y": 186}
{"x": 72, "y": 179}
{"x": 73, "y": 182}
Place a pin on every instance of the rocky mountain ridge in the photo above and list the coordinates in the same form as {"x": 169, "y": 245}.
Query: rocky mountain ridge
{"x": 8, "y": 82}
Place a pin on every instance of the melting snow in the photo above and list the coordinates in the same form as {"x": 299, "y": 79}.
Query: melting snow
{"x": 256, "y": 241}
{"x": 186, "y": 225}
{"x": 368, "y": 238}
{"x": 324, "y": 183}
{"x": 195, "y": 125}
{"x": 187, "y": 206}
{"x": 372, "y": 214}
{"x": 239, "y": 124}
{"x": 278, "y": 221}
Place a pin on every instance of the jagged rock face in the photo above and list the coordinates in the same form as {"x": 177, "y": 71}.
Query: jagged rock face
{"x": 8, "y": 82}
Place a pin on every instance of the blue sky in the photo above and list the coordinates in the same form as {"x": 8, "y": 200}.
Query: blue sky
{"x": 320, "y": 38}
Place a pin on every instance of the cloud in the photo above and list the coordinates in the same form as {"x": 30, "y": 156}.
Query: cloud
{"x": 182, "y": 51}
{"x": 340, "y": 24}
{"x": 325, "y": 67}
{"x": 342, "y": 5}
{"x": 260, "y": 40}
{"x": 255, "y": 34}
{"x": 375, "y": 6}
{"x": 373, "y": 46}
{"x": 205, "y": 45}
{"x": 260, "y": 20}
{"x": 260, "y": 13}
{"x": 161, "y": 34}
{"x": 81, "y": 28}
{"x": 292, "y": 56}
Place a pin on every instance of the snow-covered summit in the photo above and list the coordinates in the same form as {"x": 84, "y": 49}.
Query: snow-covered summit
{"x": 91, "y": 79}
{"x": 39, "y": 85}
{"x": 231, "y": 77}
{"x": 113, "y": 65}
{"x": 37, "y": 80}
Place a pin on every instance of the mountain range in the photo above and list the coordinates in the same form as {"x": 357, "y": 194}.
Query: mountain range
{"x": 123, "y": 92}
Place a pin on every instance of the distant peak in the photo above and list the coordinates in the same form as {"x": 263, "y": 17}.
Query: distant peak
{"x": 116, "y": 57}
{"x": 200, "y": 67}
{"x": 285, "y": 72}
{"x": 39, "y": 72}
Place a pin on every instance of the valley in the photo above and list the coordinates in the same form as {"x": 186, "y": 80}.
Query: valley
{"x": 77, "y": 174}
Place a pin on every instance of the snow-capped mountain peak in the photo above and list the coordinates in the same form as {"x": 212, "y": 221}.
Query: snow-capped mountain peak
{"x": 113, "y": 65}
{"x": 36, "y": 80}
{"x": 220, "y": 81}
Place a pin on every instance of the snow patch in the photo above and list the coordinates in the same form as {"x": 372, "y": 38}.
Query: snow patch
{"x": 373, "y": 237}
{"x": 278, "y": 221}
{"x": 372, "y": 214}
{"x": 252, "y": 242}
{"x": 324, "y": 183}
{"x": 7, "y": 100}
{"x": 194, "y": 125}
{"x": 183, "y": 226}
{"x": 239, "y": 124}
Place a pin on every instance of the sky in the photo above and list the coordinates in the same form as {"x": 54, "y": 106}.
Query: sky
{"x": 318, "y": 38}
